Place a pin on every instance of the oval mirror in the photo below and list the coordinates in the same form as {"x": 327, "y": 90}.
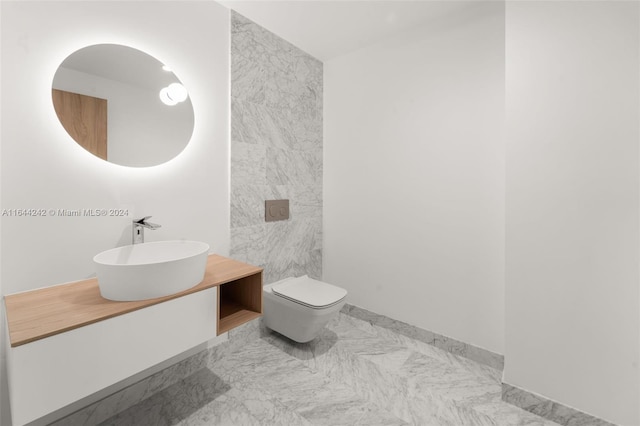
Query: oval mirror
{"x": 122, "y": 105}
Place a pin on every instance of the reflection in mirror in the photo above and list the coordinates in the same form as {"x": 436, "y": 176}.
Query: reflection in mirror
{"x": 121, "y": 105}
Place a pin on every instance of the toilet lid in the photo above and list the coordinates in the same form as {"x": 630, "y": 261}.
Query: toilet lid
{"x": 308, "y": 291}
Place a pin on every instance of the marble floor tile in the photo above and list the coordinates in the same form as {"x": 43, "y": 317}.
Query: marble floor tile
{"x": 269, "y": 410}
{"x": 175, "y": 403}
{"x": 353, "y": 373}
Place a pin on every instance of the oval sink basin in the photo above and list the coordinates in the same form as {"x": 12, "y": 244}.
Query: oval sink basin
{"x": 150, "y": 270}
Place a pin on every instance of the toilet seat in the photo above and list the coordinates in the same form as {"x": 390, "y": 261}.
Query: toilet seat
{"x": 309, "y": 292}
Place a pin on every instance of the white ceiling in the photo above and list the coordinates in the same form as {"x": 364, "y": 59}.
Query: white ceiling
{"x": 326, "y": 29}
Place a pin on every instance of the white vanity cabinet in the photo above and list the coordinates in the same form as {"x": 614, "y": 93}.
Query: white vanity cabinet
{"x": 48, "y": 374}
{"x": 53, "y": 363}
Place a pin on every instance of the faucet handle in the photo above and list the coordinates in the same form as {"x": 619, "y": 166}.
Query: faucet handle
{"x": 143, "y": 223}
{"x": 143, "y": 220}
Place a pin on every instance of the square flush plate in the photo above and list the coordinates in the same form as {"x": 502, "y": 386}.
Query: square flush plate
{"x": 276, "y": 210}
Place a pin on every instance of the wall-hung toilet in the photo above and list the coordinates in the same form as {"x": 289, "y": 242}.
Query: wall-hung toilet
{"x": 299, "y": 308}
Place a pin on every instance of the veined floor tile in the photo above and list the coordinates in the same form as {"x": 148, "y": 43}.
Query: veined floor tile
{"x": 354, "y": 373}
{"x": 507, "y": 414}
{"x": 222, "y": 411}
{"x": 359, "y": 359}
{"x": 292, "y": 384}
{"x": 429, "y": 375}
{"x": 269, "y": 410}
{"x": 175, "y": 403}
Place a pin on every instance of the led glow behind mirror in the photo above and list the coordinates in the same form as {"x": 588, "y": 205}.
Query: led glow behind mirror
{"x": 107, "y": 98}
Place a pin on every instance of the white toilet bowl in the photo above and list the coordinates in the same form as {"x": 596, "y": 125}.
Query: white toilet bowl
{"x": 300, "y": 307}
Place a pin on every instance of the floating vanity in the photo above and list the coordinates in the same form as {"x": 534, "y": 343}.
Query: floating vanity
{"x": 68, "y": 342}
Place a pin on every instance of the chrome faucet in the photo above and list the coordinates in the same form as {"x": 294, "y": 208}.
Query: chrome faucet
{"x": 138, "y": 229}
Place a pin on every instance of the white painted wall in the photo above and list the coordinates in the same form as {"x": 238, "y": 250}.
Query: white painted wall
{"x": 414, "y": 176}
{"x": 43, "y": 168}
{"x": 572, "y": 204}
{"x": 4, "y": 386}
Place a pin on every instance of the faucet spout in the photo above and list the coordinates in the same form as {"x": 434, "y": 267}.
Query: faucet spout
{"x": 138, "y": 229}
{"x": 146, "y": 224}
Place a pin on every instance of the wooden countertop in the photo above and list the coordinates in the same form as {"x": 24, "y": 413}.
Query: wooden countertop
{"x": 48, "y": 311}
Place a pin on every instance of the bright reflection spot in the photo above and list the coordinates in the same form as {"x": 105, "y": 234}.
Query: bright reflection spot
{"x": 173, "y": 94}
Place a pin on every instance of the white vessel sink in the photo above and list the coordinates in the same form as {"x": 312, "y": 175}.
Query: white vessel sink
{"x": 150, "y": 270}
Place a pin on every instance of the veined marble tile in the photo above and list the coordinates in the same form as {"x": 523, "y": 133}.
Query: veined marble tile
{"x": 350, "y": 324}
{"x": 259, "y": 125}
{"x": 350, "y": 412}
{"x": 247, "y": 202}
{"x": 307, "y": 201}
{"x": 247, "y": 332}
{"x": 426, "y": 374}
{"x": 295, "y": 265}
{"x": 291, "y": 248}
{"x": 415, "y": 376}
{"x": 371, "y": 381}
{"x": 264, "y": 67}
{"x": 248, "y": 244}
{"x": 276, "y": 93}
{"x": 248, "y": 163}
{"x": 300, "y": 81}
{"x": 237, "y": 339}
{"x": 376, "y": 369}
{"x": 144, "y": 414}
{"x": 309, "y": 353}
{"x": 483, "y": 371}
{"x": 548, "y": 409}
{"x": 285, "y": 238}
{"x": 266, "y": 408}
{"x": 291, "y": 127}
{"x": 310, "y": 394}
{"x": 353, "y": 373}
{"x": 247, "y": 205}
{"x": 255, "y": 363}
{"x": 305, "y": 121}
{"x": 466, "y": 350}
{"x": 391, "y": 357}
{"x": 294, "y": 123}
{"x": 289, "y": 167}
{"x": 450, "y": 345}
{"x": 507, "y": 414}
{"x": 391, "y": 324}
{"x": 266, "y": 80}
{"x": 221, "y": 411}
{"x": 253, "y": 41}
{"x": 175, "y": 403}
{"x": 249, "y": 82}
{"x": 314, "y": 266}
{"x": 322, "y": 401}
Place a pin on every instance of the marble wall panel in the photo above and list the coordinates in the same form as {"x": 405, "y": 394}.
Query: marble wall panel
{"x": 276, "y": 152}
